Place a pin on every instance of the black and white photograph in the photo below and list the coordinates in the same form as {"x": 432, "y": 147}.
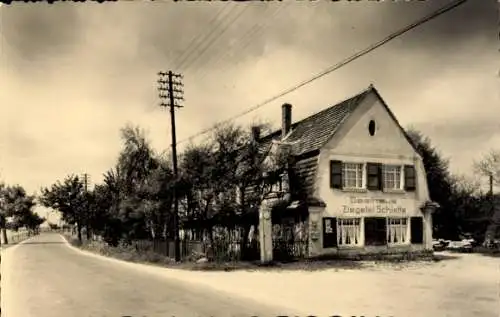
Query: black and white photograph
{"x": 250, "y": 158}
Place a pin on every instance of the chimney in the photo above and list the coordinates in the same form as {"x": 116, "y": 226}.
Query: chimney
{"x": 286, "y": 119}
{"x": 255, "y": 133}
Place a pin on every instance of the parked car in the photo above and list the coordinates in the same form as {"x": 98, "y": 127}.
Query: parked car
{"x": 492, "y": 244}
{"x": 439, "y": 245}
{"x": 460, "y": 246}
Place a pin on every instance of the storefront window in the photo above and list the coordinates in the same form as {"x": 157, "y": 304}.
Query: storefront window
{"x": 349, "y": 231}
{"x": 397, "y": 228}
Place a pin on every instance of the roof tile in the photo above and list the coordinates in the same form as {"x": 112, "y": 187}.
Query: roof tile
{"x": 313, "y": 132}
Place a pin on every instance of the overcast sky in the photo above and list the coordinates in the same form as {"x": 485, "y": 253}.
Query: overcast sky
{"x": 73, "y": 74}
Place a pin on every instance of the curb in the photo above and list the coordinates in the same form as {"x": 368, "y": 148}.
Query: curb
{"x": 185, "y": 277}
{"x": 165, "y": 272}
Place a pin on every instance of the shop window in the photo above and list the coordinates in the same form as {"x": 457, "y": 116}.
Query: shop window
{"x": 375, "y": 231}
{"x": 396, "y": 230}
{"x": 329, "y": 232}
{"x": 349, "y": 231}
{"x": 417, "y": 230}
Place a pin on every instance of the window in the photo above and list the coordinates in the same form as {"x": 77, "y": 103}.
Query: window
{"x": 329, "y": 232}
{"x": 349, "y": 231}
{"x": 371, "y": 127}
{"x": 396, "y": 233}
{"x": 392, "y": 177}
{"x": 352, "y": 175}
{"x": 410, "y": 180}
{"x": 375, "y": 231}
{"x": 374, "y": 174}
{"x": 417, "y": 230}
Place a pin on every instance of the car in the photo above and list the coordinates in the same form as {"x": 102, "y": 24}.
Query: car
{"x": 492, "y": 244}
{"x": 440, "y": 244}
{"x": 460, "y": 246}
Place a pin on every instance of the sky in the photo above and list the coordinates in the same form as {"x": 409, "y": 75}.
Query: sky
{"x": 72, "y": 75}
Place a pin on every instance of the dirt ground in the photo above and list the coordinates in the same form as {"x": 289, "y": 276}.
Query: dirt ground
{"x": 460, "y": 285}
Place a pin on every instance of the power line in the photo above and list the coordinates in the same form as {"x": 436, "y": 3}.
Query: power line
{"x": 220, "y": 33}
{"x": 189, "y": 49}
{"x": 247, "y": 43}
{"x": 247, "y": 38}
{"x": 250, "y": 31}
{"x": 346, "y": 61}
{"x": 190, "y": 53}
{"x": 197, "y": 38}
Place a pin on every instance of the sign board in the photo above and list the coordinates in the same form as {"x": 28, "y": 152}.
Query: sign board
{"x": 382, "y": 206}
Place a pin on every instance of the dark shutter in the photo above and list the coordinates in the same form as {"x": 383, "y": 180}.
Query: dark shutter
{"x": 375, "y": 231}
{"x": 417, "y": 230}
{"x": 329, "y": 232}
{"x": 410, "y": 179}
{"x": 336, "y": 174}
{"x": 374, "y": 176}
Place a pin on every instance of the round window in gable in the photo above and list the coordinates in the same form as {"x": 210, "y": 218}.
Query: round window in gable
{"x": 371, "y": 127}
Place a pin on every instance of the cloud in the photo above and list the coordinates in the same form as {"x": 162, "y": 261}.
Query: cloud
{"x": 73, "y": 75}
{"x": 37, "y": 32}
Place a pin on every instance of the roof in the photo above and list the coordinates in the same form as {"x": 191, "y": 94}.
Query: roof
{"x": 309, "y": 135}
{"x": 312, "y": 133}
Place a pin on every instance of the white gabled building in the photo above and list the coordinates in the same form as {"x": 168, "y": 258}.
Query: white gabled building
{"x": 366, "y": 182}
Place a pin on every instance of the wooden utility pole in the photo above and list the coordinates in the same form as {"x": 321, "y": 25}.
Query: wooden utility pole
{"x": 86, "y": 210}
{"x": 170, "y": 94}
{"x": 491, "y": 183}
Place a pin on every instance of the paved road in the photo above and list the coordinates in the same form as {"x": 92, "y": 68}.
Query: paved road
{"x": 46, "y": 278}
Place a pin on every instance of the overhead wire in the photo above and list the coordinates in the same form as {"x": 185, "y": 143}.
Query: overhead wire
{"x": 189, "y": 48}
{"x": 251, "y": 34}
{"x": 199, "y": 36}
{"x": 250, "y": 31}
{"x": 209, "y": 44}
{"x": 431, "y": 16}
{"x": 212, "y": 31}
{"x": 231, "y": 65}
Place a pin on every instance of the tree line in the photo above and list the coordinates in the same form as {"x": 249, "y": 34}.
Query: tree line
{"x": 465, "y": 207}
{"x": 16, "y": 210}
{"x": 220, "y": 183}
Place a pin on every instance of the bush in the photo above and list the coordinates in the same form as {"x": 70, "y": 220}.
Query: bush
{"x": 495, "y": 252}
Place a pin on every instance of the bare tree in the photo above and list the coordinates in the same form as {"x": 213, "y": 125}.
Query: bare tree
{"x": 489, "y": 165}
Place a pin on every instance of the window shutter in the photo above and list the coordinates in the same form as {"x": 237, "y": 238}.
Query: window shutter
{"x": 336, "y": 174}
{"x": 410, "y": 178}
{"x": 417, "y": 230}
{"x": 374, "y": 176}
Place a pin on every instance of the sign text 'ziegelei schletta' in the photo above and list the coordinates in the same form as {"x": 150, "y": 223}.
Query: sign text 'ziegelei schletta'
{"x": 373, "y": 206}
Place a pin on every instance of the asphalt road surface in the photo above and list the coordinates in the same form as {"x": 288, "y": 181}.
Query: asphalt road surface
{"x": 45, "y": 278}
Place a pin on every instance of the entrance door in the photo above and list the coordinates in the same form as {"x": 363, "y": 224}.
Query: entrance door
{"x": 330, "y": 233}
